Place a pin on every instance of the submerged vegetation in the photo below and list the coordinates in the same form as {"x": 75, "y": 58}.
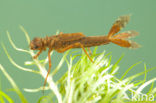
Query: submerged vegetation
{"x": 84, "y": 81}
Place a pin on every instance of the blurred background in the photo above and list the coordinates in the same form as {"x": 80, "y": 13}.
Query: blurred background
{"x": 92, "y": 17}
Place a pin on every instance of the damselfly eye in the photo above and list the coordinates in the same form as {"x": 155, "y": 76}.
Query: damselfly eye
{"x": 35, "y": 47}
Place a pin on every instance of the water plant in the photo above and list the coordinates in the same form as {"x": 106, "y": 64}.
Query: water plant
{"x": 84, "y": 81}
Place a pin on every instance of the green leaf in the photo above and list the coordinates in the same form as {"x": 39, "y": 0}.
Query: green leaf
{"x": 2, "y": 94}
{"x": 23, "y": 100}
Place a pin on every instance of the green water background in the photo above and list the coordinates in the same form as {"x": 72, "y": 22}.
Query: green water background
{"x": 92, "y": 17}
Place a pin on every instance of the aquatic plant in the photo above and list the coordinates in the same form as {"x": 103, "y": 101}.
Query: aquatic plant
{"x": 83, "y": 82}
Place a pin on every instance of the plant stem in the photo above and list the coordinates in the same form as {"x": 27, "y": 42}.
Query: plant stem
{"x": 23, "y": 100}
{"x": 51, "y": 83}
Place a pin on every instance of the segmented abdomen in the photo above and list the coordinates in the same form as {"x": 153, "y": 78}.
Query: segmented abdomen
{"x": 86, "y": 41}
{"x": 94, "y": 41}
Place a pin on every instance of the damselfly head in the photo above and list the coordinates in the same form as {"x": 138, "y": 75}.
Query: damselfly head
{"x": 36, "y": 44}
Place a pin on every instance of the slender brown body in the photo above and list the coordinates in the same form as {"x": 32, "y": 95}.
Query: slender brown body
{"x": 61, "y": 42}
{"x": 66, "y": 41}
{"x": 88, "y": 41}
